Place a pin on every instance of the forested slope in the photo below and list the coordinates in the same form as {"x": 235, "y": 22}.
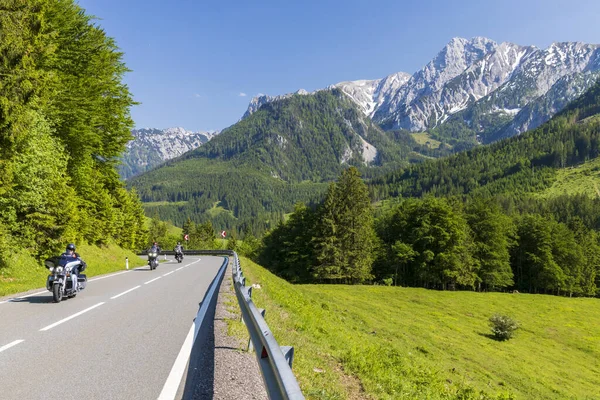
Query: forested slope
{"x": 521, "y": 164}
{"x": 284, "y": 153}
{"x": 64, "y": 120}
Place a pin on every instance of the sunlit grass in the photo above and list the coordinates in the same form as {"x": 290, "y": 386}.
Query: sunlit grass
{"x": 423, "y": 138}
{"x": 171, "y": 229}
{"x": 582, "y": 179}
{"x": 24, "y": 273}
{"x": 416, "y": 344}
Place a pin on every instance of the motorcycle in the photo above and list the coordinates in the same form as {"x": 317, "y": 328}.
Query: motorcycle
{"x": 63, "y": 281}
{"x": 179, "y": 257}
{"x": 153, "y": 259}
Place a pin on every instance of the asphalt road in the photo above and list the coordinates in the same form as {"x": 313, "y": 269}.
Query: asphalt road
{"x": 118, "y": 339}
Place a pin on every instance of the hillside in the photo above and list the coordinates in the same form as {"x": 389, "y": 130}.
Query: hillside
{"x": 65, "y": 120}
{"x": 524, "y": 164}
{"x": 256, "y": 170}
{"x": 475, "y": 90}
{"x": 431, "y": 344}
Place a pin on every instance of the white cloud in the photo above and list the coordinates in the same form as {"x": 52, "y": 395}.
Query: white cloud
{"x": 242, "y": 94}
{"x": 197, "y": 95}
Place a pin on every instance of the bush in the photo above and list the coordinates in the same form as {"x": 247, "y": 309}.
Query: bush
{"x": 503, "y": 327}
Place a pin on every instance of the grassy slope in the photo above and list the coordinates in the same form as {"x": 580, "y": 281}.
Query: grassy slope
{"x": 25, "y": 274}
{"x": 414, "y": 343}
{"x": 582, "y": 179}
{"x": 171, "y": 229}
{"x": 424, "y": 138}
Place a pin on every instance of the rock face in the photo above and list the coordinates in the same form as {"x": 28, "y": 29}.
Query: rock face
{"x": 499, "y": 89}
{"x": 151, "y": 147}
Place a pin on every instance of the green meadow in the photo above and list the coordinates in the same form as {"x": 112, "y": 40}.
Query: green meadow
{"x": 581, "y": 179}
{"x": 379, "y": 342}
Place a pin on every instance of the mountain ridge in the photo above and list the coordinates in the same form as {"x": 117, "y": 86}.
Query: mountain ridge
{"x": 476, "y": 79}
{"x": 151, "y": 147}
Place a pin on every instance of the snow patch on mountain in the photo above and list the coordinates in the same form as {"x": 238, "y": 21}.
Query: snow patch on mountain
{"x": 150, "y": 147}
{"x": 470, "y": 75}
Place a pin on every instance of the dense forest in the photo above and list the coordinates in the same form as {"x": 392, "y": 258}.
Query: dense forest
{"x": 64, "y": 121}
{"x": 254, "y": 172}
{"x": 470, "y": 221}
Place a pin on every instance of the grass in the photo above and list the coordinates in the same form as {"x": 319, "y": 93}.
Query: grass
{"x": 25, "y": 273}
{"x": 171, "y": 229}
{"x": 582, "y": 179}
{"x": 164, "y": 203}
{"x": 218, "y": 209}
{"x": 403, "y": 343}
{"x": 423, "y": 138}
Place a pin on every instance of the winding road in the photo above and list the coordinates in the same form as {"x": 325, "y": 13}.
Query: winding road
{"x": 126, "y": 336}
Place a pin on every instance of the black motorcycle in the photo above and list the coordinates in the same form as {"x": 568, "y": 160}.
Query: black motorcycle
{"x": 63, "y": 280}
{"x": 179, "y": 257}
{"x": 153, "y": 259}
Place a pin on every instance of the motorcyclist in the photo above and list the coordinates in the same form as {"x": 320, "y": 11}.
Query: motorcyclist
{"x": 76, "y": 270}
{"x": 178, "y": 248}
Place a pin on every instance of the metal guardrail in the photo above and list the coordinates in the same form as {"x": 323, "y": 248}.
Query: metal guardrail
{"x": 275, "y": 361}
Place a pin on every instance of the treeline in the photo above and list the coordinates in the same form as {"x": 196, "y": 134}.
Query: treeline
{"x": 439, "y": 243}
{"x": 64, "y": 121}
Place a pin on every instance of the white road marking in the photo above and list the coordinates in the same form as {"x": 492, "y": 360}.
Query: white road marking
{"x": 8, "y": 346}
{"x": 152, "y": 280}
{"x": 168, "y": 273}
{"x": 178, "y": 268}
{"x": 125, "y": 292}
{"x": 169, "y": 390}
{"x": 108, "y": 276}
{"x": 71, "y": 317}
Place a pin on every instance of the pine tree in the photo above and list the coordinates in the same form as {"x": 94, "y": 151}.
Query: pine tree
{"x": 345, "y": 241}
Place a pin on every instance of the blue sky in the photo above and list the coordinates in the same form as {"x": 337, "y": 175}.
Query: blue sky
{"x": 197, "y": 63}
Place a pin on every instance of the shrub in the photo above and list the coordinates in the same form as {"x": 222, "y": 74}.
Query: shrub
{"x": 503, "y": 327}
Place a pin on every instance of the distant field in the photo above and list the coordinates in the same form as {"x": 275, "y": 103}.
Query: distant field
{"x": 164, "y": 203}
{"x": 583, "y": 179}
{"x": 404, "y": 343}
{"x": 217, "y": 209}
{"x": 171, "y": 229}
{"x": 423, "y": 138}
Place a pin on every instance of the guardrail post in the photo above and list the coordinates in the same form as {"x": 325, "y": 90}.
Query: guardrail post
{"x": 288, "y": 353}
{"x": 262, "y": 312}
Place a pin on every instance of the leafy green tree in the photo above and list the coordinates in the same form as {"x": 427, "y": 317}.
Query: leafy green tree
{"x": 232, "y": 243}
{"x": 533, "y": 262}
{"x": 491, "y": 230}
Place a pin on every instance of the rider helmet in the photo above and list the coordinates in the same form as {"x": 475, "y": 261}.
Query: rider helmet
{"x": 70, "y": 247}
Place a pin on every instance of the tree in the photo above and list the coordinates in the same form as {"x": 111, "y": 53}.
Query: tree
{"x": 346, "y": 236}
{"x": 491, "y": 231}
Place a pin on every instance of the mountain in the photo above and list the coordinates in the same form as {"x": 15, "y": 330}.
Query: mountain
{"x": 514, "y": 168}
{"x": 256, "y": 170}
{"x": 151, "y": 147}
{"x": 476, "y": 88}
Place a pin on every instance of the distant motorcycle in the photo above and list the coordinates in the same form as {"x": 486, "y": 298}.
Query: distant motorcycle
{"x": 62, "y": 281}
{"x": 179, "y": 257}
{"x": 153, "y": 259}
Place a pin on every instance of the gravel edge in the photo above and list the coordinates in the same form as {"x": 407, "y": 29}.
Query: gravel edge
{"x": 236, "y": 372}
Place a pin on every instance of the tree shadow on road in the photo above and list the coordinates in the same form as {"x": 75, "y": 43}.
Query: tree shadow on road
{"x": 34, "y": 300}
